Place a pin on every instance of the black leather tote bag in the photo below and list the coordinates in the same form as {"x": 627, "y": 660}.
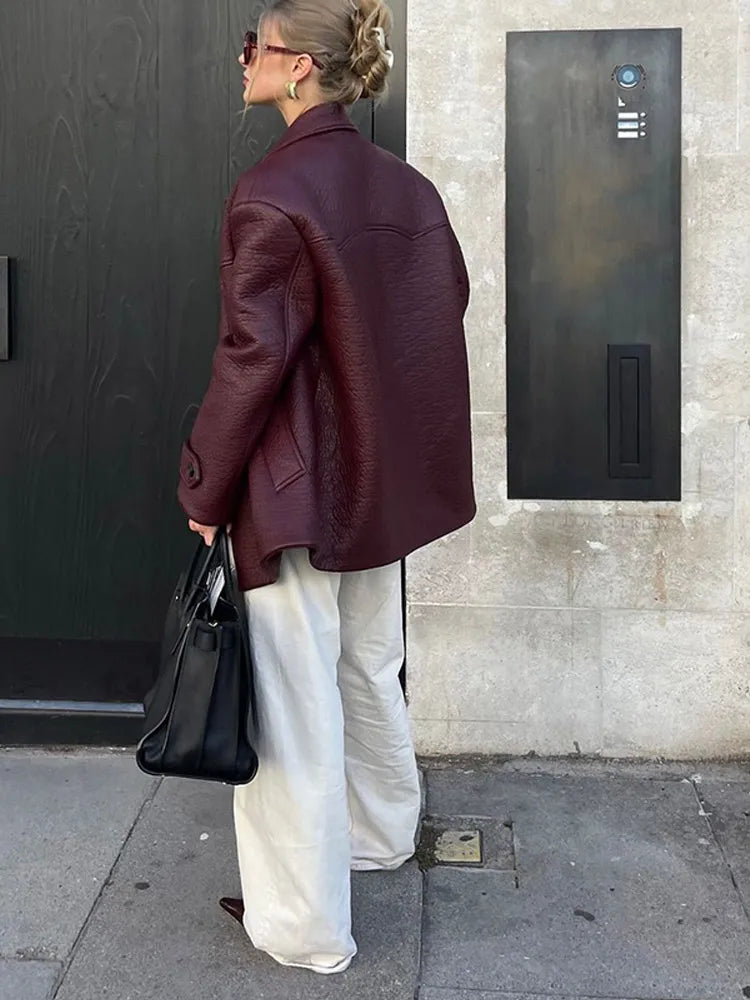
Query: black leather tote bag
{"x": 200, "y": 714}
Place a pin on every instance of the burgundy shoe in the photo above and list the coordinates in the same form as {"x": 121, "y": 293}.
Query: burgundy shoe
{"x": 234, "y": 907}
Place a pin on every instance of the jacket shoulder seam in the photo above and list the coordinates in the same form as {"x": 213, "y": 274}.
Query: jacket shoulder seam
{"x": 301, "y": 251}
{"x": 262, "y": 202}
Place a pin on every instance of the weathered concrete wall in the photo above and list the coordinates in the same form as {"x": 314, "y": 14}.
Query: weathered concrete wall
{"x": 613, "y": 628}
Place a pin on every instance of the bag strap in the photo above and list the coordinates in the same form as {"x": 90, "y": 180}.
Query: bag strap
{"x": 230, "y": 573}
{"x": 196, "y": 590}
{"x": 192, "y": 575}
{"x": 238, "y": 600}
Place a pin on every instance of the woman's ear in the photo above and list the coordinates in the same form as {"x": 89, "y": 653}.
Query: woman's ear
{"x": 302, "y": 67}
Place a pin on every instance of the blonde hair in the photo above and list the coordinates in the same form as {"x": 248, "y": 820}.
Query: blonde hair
{"x": 343, "y": 36}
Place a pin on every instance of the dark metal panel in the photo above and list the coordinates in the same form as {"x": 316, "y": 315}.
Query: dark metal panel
{"x": 43, "y": 228}
{"x": 593, "y": 256}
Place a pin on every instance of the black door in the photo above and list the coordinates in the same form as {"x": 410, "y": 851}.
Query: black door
{"x": 121, "y": 134}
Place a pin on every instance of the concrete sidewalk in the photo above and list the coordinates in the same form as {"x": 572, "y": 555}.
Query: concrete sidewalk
{"x": 598, "y": 880}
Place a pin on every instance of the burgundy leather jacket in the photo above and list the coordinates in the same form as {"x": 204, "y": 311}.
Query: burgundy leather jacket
{"x": 338, "y": 415}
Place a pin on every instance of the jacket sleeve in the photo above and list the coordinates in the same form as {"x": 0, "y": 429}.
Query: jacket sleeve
{"x": 268, "y": 303}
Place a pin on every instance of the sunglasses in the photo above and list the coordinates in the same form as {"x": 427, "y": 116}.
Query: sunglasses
{"x": 251, "y": 46}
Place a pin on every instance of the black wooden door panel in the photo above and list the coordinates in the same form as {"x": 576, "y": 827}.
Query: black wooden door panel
{"x": 125, "y": 375}
{"x": 44, "y": 230}
{"x": 197, "y": 98}
{"x": 118, "y": 149}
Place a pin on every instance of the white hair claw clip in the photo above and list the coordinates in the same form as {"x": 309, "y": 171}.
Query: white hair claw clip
{"x": 380, "y": 32}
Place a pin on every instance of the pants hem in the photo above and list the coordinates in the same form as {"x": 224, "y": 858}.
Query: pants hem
{"x": 324, "y": 970}
{"x": 386, "y": 865}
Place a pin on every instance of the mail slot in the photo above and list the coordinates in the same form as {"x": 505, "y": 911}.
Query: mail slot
{"x": 4, "y": 309}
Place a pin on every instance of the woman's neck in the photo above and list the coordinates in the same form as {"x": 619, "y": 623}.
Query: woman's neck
{"x": 292, "y": 110}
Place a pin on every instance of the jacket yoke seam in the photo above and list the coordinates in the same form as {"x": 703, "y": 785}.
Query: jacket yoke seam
{"x": 393, "y": 229}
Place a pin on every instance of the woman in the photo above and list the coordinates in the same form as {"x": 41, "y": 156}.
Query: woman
{"x": 334, "y": 437}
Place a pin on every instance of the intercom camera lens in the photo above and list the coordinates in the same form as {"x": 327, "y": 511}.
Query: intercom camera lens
{"x": 629, "y": 76}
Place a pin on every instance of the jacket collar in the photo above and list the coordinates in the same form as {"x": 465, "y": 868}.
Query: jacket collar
{"x": 322, "y": 118}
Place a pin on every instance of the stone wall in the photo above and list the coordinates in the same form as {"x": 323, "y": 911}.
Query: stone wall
{"x": 610, "y": 628}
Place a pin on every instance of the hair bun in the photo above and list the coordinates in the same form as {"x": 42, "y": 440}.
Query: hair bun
{"x": 371, "y": 57}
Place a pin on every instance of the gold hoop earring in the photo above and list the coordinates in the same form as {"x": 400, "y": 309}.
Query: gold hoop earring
{"x": 291, "y": 89}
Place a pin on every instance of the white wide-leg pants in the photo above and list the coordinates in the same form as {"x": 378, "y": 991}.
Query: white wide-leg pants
{"x": 337, "y": 785}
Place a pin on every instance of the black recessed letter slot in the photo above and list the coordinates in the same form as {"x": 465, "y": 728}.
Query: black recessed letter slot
{"x": 4, "y": 309}
{"x": 629, "y": 411}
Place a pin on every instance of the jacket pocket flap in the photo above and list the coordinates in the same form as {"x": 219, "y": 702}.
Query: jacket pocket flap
{"x": 281, "y": 454}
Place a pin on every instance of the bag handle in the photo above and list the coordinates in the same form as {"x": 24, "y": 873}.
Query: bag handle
{"x": 230, "y": 573}
{"x": 192, "y": 577}
{"x": 238, "y": 600}
{"x": 196, "y": 579}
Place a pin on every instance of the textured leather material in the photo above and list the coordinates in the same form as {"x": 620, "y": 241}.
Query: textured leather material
{"x": 338, "y": 413}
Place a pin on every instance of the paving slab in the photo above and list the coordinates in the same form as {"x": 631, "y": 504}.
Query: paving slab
{"x": 727, "y": 807}
{"x": 622, "y": 892}
{"x": 63, "y": 819}
{"x": 21, "y": 980}
{"x": 597, "y": 767}
{"x": 435, "y": 993}
{"x": 157, "y": 931}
